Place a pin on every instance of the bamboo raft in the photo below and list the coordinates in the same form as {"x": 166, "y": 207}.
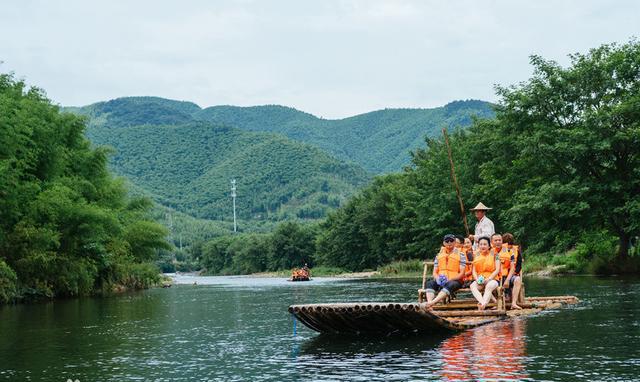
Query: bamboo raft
{"x": 389, "y": 317}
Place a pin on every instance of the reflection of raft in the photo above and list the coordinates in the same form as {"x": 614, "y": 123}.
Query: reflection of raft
{"x": 387, "y": 317}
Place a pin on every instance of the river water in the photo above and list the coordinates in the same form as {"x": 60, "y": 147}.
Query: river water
{"x": 238, "y": 329}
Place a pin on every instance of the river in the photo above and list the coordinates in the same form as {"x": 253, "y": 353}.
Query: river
{"x": 238, "y": 329}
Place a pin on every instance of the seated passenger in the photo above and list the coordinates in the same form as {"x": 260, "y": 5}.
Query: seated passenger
{"x": 486, "y": 268}
{"x": 467, "y": 249}
{"x": 459, "y": 240}
{"x": 513, "y": 279}
{"x": 507, "y": 260}
{"x": 448, "y": 271}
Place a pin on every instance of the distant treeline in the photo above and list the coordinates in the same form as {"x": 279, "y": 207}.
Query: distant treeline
{"x": 67, "y": 227}
{"x": 559, "y": 164}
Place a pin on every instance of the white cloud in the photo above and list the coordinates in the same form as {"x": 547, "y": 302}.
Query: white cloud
{"x": 330, "y": 58}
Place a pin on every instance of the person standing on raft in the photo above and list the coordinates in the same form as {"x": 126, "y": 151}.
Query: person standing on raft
{"x": 484, "y": 227}
{"x": 448, "y": 271}
{"x": 486, "y": 268}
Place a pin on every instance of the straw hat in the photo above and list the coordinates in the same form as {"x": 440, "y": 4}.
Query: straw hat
{"x": 481, "y": 207}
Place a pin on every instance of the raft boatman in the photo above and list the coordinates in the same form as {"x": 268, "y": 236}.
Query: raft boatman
{"x": 448, "y": 271}
{"x": 484, "y": 227}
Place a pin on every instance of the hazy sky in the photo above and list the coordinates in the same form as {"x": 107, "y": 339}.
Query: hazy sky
{"x": 329, "y": 58}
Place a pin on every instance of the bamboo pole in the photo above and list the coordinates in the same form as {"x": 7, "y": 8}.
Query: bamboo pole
{"x": 455, "y": 181}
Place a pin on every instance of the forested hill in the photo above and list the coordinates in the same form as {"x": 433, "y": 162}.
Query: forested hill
{"x": 188, "y": 167}
{"x": 379, "y": 141}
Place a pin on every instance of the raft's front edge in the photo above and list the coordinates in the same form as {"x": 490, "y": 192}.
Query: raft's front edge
{"x": 375, "y": 318}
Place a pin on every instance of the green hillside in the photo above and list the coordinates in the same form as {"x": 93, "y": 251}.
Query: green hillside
{"x": 135, "y": 111}
{"x": 188, "y": 167}
{"x": 380, "y": 141}
{"x": 183, "y": 156}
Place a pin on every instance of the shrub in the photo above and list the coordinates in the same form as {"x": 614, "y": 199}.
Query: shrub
{"x": 402, "y": 267}
{"x": 8, "y": 280}
{"x": 138, "y": 275}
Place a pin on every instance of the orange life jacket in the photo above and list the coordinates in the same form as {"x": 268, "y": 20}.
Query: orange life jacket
{"x": 484, "y": 264}
{"x": 505, "y": 259}
{"x": 448, "y": 264}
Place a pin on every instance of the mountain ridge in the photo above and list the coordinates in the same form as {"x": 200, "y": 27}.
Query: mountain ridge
{"x": 380, "y": 141}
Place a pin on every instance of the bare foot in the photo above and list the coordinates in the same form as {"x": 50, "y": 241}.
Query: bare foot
{"x": 481, "y": 306}
{"x": 515, "y": 306}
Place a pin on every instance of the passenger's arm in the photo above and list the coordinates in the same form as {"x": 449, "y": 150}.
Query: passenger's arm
{"x": 496, "y": 272}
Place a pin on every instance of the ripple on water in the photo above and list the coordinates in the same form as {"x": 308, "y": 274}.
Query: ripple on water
{"x": 237, "y": 328}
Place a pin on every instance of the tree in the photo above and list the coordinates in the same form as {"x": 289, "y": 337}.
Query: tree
{"x": 66, "y": 225}
{"x": 576, "y": 131}
{"x": 291, "y": 245}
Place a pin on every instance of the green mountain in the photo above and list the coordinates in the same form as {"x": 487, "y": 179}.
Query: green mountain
{"x": 187, "y": 165}
{"x": 135, "y": 111}
{"x": 287, "y": 163}
{"x": 380, "y": 141}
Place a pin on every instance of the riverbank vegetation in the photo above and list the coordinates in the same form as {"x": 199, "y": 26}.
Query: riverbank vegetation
{"x": 67, "y": 226}
{"x": 559, "y": 164}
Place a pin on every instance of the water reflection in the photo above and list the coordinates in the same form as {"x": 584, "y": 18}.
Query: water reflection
{"x": 238, "y": 329}
{"x": 492, "y": 352}
{"x": 409, "y": 344}
{"x": 495, "y": 351}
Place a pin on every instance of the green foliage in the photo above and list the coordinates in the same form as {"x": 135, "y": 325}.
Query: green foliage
{"x": 65, "y": 223}
{"x": 217, "y": 256}
{"x": 183, "y": 157}
{"x": 404, "y": 267}
{"x": 8, "y": 283}
{"x": 289, "y": 245}
{"x": 145, "y": 238}
{"x": 370, "y": 230}
{"x": 560, "y": 159}
{"x": 132, "y": 275}
{"x": 188, "y": 168}
{"x": 322, "y": 271}
{"x": 379, "y": 141}
{"x": 135, "y": 111}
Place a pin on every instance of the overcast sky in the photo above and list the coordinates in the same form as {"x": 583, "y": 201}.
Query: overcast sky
{"x": 329, "y": 58}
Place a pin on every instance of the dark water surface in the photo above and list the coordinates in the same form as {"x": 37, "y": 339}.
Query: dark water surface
{"x": 232, "y": 329}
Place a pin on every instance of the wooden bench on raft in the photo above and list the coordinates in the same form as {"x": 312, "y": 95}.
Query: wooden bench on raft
{"x": 500, "y": 295}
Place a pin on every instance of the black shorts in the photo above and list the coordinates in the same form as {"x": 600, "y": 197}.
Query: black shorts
{"x": 512, "y": 280}
{"x": 448, "y": 288}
